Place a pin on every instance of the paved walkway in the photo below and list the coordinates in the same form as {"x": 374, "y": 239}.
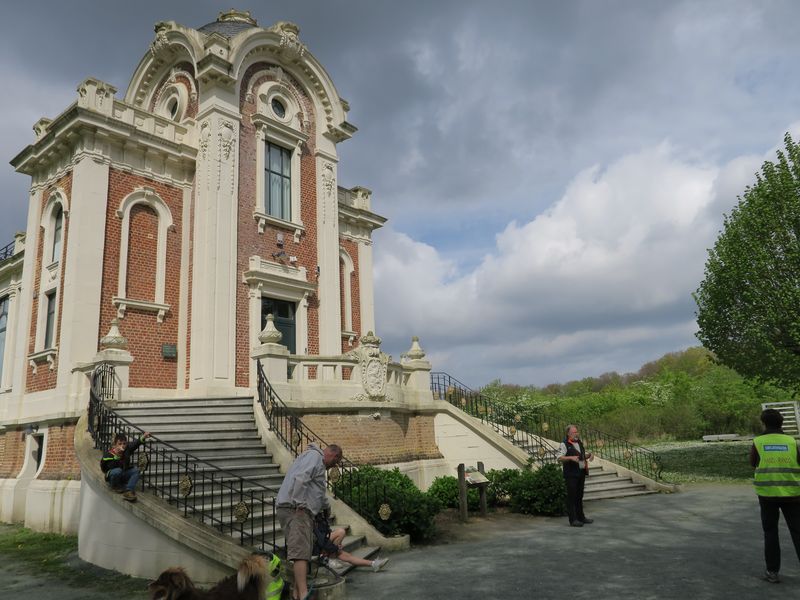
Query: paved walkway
{"x": 703, "y": 543}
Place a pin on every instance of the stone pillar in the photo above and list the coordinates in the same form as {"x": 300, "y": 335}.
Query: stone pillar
{"x": 83, "y": 268}
{"x": 214, "y": 276}
{"x": 330, "y": 326}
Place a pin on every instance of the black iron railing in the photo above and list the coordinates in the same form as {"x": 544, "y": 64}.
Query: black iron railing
{"x": 236, "y": 507}
{"x": 362, "y": 495}
{"x": 7, "y": 251}
{"x": 534, "y": 433}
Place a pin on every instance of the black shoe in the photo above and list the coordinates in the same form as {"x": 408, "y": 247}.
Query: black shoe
{"x": 772, "y": 576}
{"x": 576, "y": 524}
{"x": 587, "y": 521}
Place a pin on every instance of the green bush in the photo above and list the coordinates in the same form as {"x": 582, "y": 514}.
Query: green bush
{"x": 444, "y": 490}
{"x": 539, "y": 492}
{"x": 412, "y": 511}
{"x": 500, "y": 484}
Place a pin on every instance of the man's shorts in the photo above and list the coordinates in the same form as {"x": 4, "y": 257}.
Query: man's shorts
{"x": 298, "y": 529}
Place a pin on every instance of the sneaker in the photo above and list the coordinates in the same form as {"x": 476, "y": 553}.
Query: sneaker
{"x": 379, "y": 563}
{"x": 335, "y": 564}
{"x": 576, "y": 524}
{"x": 772, "y": 576}
{"x": 587, "y": 521}
{"x": 129, "y": 496}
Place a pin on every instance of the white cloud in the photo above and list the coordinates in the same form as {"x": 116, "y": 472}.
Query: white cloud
{"x": 601, "y": 280}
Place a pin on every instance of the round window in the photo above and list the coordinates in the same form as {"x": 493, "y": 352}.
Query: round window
{"x": 278, "y": 108}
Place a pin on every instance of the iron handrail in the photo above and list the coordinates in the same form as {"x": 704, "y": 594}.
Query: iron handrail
{"x": 529, "y": 431}
{"x": 214, "y": 496}
{"x": 343, "y": 481}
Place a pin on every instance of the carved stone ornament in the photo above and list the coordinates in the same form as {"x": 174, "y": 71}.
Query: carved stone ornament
{"x": 270, "y": 334}
{"x": 159, "y": 42}
{"x": 373, "y": 364}
{"x": 241, "y": 512}
{"x": 185, "y": 486}
{"x": 289, "y": 42}
{"x": 542, "y": 451}
{"x": 627, "y": 454}
{"x": 512, "y": 430}
{"x": 328, "y": 179}
{"x": 226, "y": 139}
{"x": 205, "y": 137}
{"x": 384, "y": 512}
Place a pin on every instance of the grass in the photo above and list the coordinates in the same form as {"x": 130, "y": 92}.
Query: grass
{"x": 689, "y": 462}
{"x": 57, "y": 556}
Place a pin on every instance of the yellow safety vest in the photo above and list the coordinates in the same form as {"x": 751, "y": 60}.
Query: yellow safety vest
{"x": 275, "y": 586}
{"x": 778, "y": 473}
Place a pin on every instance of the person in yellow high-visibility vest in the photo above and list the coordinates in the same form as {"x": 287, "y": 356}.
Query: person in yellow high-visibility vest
{"x": 776, "y": 458}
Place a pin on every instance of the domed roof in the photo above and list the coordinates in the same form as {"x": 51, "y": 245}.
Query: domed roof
{"x": 230, "y": 23}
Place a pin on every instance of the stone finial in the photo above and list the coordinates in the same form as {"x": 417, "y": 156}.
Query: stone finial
{"x": 270, "y": 335}
{"x": 113, "y": 340}
{"x": 415, "y": 352}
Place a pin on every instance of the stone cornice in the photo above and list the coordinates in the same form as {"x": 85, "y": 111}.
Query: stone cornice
{"x": 85, "y": 130}
{"x": 360, "y": 217}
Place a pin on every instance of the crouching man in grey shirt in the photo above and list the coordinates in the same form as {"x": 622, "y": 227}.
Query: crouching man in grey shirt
{"x": 301, "y": 497}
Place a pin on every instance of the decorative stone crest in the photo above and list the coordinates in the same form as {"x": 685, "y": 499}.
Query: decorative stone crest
{"x": 334, "y": 474}
{"x": 373, "y": 364}
{"x": 384, "y": 512}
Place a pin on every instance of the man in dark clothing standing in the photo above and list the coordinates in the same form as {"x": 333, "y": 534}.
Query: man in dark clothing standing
{"x": 776, "y": 458}
{"x": 116, "y": 465}
{"x": 574, "y": 459}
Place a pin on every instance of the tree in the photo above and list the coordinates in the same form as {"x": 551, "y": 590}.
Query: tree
{"x": 748, "y": 305}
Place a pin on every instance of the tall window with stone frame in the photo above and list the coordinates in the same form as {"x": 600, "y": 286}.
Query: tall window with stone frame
{"x": 278, "y": 181}
{"x": 50, "y": 322}
{"x": 58, "y": 226}
{"x": 3, "y": 327}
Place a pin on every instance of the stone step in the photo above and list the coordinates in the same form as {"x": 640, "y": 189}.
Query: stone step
{"x": 188, "y": 412}
{"x": 193, "y": 421}
{"x": 212, "y": 454}
{"x": 196, "y": 446}
{"x": 603, "y": 486}
{"x": 203, "y": 492}
{"x": 224, "y": 461}
{"x": 178, "y": 438}
{"x": 622, "y": 493}
{"x": 185, "y": 402}
{"x": 221, "y": 426}
{"x": 602, "y": 477}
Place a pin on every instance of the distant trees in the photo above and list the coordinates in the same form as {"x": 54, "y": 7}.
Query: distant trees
{"x": 748, "y": 305}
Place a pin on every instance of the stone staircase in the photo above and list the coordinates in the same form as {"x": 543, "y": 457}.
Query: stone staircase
{"x": 222, "y": 432}
{"x": 604, "y": 483}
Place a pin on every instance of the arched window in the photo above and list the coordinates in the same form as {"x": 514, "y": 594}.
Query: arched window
{"x": 160, "y": 211}
{"x": 58, "y": 227}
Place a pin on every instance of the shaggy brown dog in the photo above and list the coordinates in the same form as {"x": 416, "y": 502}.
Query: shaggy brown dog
{"x": 249, "y": 583}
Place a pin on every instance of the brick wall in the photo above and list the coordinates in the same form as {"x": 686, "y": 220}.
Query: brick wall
{"x": 144, "y": 333}
{"x": 60, "y": 460}
{"x": 45, "y": 378}
{"x": 365, "y": 440}
{"x": 264, "y": 244}
{"x": 12, "y": 453}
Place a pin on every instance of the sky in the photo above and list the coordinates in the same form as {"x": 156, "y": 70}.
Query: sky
{"x": 553, "y": 172}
